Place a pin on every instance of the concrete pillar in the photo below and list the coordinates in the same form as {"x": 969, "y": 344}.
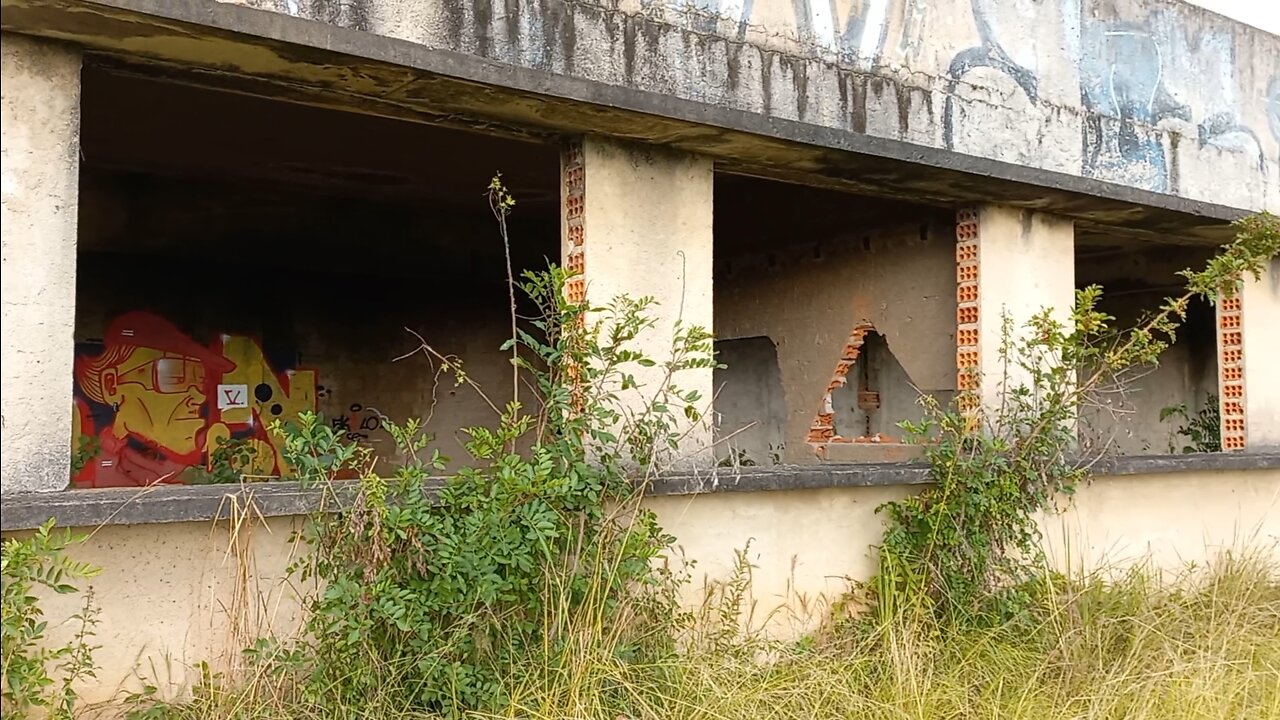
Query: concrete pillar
{"x": 1248, "y": 390}
{"x": 40, "y": 87}
{"x": 1008, "y": 261}
{"x": 636, "y": 221}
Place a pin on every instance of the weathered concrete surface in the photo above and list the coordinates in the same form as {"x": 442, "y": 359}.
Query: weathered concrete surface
{"x": 1170, "y": 520}
{"x": 746, "y": 125}
{"x": 173, "y": 596}
{"x": 1149, "y": 93}
{"x": 1025, "y": 265}
{"x": 188, "y": 504}
{"x": 749, "y": 402}
{"x": 1135, "y": 281}
{"x": 637, "y": 223}
{"x": 1130, "y": 421}
{"x": 41, "y": 150}
{"x": 1261, "y": 308}
{"x": 810, "y": 543}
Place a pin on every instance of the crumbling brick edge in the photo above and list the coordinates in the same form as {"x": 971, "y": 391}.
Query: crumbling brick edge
{"x": 196, "y": 503}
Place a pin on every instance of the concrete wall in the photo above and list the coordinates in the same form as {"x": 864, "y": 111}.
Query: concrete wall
{"x": 202, "y": 596}
{"x": 1170, "y": 520}
{"x": 1155, "y": 94}
{"x": 751, "y": 404}
{"x": 808, "y": 297}
{"x": 173, "y": 596}
{"x": 1130, "y": 422}
{"x": 806, "y": 545}
{"x": 1017, "y": 264}
{"x": 637, "y": 223}
{"x": 895, "y": 397}
{"x": 41, "y": 149}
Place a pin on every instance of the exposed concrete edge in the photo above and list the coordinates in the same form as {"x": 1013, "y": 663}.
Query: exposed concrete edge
{"x": 1197, "y": 462}
{"x": 792, "y": 477}
{"x": 313, "y": 35}
{"x": 196, "y": 503}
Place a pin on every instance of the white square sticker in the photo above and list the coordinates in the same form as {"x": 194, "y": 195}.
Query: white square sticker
{"x": 233, "y": 397}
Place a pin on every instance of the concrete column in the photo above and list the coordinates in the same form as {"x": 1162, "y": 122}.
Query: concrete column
{"x": 1013, "y": 262}
{"x": 637, "y": 222}
{"x": 40, "y": 87}
{"x": 1248, "y": 390}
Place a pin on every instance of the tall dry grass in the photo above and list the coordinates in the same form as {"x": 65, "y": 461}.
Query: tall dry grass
{"x": 1138, "y": 646}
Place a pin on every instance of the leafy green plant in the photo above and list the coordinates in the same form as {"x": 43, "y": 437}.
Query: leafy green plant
{"x": 434, "y": 590}
{"x": 1202, "y": 430}
{"x": 227, "y": 463}
{"x": 967, "y": 550}
{"x": 87, "y": 446}
{"x": 207, "y": 698}
{"x": 35, "y": 674}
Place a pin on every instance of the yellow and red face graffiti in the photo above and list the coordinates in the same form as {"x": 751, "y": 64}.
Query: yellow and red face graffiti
{"x": 158, "y": 402}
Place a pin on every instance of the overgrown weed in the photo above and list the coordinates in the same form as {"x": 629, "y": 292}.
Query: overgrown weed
{"x": 1117, "y": 645}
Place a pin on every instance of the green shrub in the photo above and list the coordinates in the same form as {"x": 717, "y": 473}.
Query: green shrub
{"x": 1202, "y": 430}
{"x": 35, "y": 674}
{"x": 966, "y": 548}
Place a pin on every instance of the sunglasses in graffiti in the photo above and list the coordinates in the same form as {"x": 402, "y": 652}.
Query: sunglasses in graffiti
{"x": 166, "y": 375}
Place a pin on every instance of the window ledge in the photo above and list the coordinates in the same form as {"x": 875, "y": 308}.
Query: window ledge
{"x": 191, "y": 503}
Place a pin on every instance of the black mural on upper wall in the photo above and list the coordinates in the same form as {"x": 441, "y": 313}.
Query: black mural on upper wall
{"x": 1123, "y": 78}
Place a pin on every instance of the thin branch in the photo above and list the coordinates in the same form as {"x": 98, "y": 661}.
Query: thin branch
{"x": 500, "y": 204}
{"x": 449, "y": 363}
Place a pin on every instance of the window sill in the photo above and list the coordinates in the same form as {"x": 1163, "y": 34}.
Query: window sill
{"x": 188, "y": 503}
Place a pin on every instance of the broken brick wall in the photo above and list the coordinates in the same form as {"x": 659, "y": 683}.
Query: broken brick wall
{"x": 808, "y": 295}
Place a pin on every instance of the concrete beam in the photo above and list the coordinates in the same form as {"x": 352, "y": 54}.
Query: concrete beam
{"x": 637, "y": 222}
{"x": 1011, "y": 264}
{"x": 1248, "y": 344}
{"x": 1043, "y": 85}
{"x": 41, "y": 149}
{"x": 272, "y": 54}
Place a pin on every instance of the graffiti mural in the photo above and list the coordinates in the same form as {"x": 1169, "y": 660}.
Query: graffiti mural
{"x": 1143, "y": 84}
{"x": 156, "y": 403}
{"x": 1122, "y": 84}
{"x": 358, "y": 423}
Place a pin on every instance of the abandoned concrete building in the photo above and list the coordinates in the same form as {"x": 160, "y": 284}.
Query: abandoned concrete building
{"x": 220, "y": 213}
